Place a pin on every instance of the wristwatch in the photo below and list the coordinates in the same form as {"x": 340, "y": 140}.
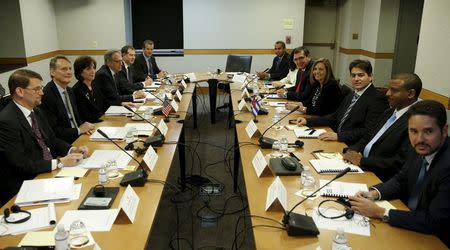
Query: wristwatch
{"x": 386, "y": 215}
{"x": 59, "y": 164}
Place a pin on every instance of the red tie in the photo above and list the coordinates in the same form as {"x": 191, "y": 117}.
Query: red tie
{"x": 299, "y": 80}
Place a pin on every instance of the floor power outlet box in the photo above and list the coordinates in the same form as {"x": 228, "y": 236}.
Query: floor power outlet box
{"x": 211, "y": 189}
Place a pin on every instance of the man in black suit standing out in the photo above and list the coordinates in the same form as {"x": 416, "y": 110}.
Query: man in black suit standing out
{"x": 280, "y": 64}
{"x": 128, "y": 57}
{"x": 145, "y": 64}
{"x": 424, "y": 181}
{"x": 358, "y": 111}
{"x": 112, "y": 84}
{"x": 59, "y": 103}
{"x": 383, "y": 150}
{"x": 28, "y": 145}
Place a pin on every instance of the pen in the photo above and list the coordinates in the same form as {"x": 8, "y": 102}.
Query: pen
{"x": 312, "y": 131}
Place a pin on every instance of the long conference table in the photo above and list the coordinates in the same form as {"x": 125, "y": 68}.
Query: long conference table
{"x": 382, "y": 235}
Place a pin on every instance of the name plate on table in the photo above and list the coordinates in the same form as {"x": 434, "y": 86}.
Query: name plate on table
{"x": 163, "y": 127}
{"x": 245, "y": 93}
{"x": 178, "y": 95}
{"x": 183, "y": 83}
{"x": 174, "y": 105}
{"x": 128, "y": 205}
{"x": 251, "y": 129}
{"x": 260, "y": 164}
{"x": 276, "y": 195}
{"x": 242, "y": 103}
{"x": 150, "y": 158}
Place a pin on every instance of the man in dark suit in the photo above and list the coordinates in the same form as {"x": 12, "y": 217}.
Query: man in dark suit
{"x": 424, "y": 181}
{"x": 358, "y": 111}
{"x": 280, "y": 64}
{"x": 112, "y": 84}
{"x": 383, "y": 150}
{"x": 59, "y": 104}
{"x": 128, "y": 57}
{"x": 28, "y": 145}
{"x": 145, "y": 64}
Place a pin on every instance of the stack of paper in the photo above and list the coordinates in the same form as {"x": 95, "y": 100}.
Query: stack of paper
{"x": 145, "y": 107}
{"x": 45, "y": 190}
{"x": 114, "y": 133}
{"x": 333, "y": 166}
{"x": 117, "y": 111}
{"x": 100, "y": 157}
{"x": 140, "y": 128}
{"x": 305, "y": 132}
{"x": 341, "y": 189}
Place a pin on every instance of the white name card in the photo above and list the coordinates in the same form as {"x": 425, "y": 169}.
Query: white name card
{"x": 179, "y": 95}
{"x": 251, "y": 128}
{"x": 276, "y": 193}
{"x": 128, "y": 204}
{"x": 163, "y": 127}
{"x": 183, "y": 83}
{"x": 259, "y": 163}
{"x": 150, "y": 158}
{"x": 174, "y": 105}
{"x": 241, "y": 104}
{"x": 245, "y": 93}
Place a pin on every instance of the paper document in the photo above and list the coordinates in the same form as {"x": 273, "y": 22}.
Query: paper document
{"x": 140, "y": 127}
{"x": 43, "y": 217}
{"x": 277, "y": 104}
{"x": 117, "y": 111}
{"x": 72, "y": 171}
{"x": 341, "y": 189}
{"x": 357, "y": 225}
{"x": 100, "y": 157}
{"x": 273, "y": 96}
{"x": 333, "y": 166}
{"x": 95, "y": 220}
{"x": 114, "y": 133}
{"x": 305, "y": 132}
{"x": 45, "y": 238}
{"x": 145, "y": 107}
{"x": 45, "y": 190}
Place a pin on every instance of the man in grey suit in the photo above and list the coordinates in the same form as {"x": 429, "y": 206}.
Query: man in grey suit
{"x": 383, "y": 150}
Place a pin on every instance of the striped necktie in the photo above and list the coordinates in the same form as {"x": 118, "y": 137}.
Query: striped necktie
{"x": 46, "y": 155}
{"x": 413, "y": 200}
{"x": 347, "y": 112}
{"x": 69, "y": 109}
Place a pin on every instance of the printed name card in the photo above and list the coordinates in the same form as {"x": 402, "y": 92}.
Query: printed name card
{"x": 150, "y": 158}
{"x": 276, "y": 196}
{"x": 178, "y": 95}
{"x": 251, "y": 129}
{"x": 183, "y": 83}
{"x": 128, "y": 205}
{"x": 245, "y": 93}
{"x": 260, "y": 164}
{"x": 163, "y": 127}
{"x": 241, "y": 104}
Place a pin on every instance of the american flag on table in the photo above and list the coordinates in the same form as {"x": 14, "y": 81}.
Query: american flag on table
{"x": 166, "y": 107}
{"x": 255, "y": 106}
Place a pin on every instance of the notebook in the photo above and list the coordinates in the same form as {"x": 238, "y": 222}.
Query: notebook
{"x": 305, "y": 132}
{"x": 333, "y": 166}
{"x": 117, "y": 111}
{"x": 341, "y": 189}
{"x": 114, "y": 133}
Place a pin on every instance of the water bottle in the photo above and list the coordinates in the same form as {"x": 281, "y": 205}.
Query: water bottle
{"x": 148, "y": 114}
{"x": 284, "y": 145}
{"x": 339, "y": 241}
{"x": 103, "y": 174}
{"x": 305, "y": 173}
{"x": 129, "y": 137}
{"x": 61, "y": 238}
{"x": 276, "y": 149}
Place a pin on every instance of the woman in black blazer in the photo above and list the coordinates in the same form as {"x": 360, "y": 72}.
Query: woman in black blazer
{"x": 325, "y": 91}
{"x": 90, "y": 101}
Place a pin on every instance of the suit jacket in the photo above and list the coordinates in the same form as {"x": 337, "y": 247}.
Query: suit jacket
{"x": 115, "y": 93}
{"x": 364, "y": 114}
{"x": 20, "y": 154}
{"x": 130, "y": 82}
{"x": 91, "y": 103}
{"x": 281, "y": 72}
{"x": 388, "y": 153}
{"x": 56, "y": 112}
{"x": 141, "y": 70}
{"x": 328, "y": 100}
{"x": 433, "y": 210}
{"x": 305, "y": 87}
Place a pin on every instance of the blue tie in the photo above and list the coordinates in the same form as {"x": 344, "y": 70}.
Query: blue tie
{"x": 413, "y": 200}
{"x": 150, "y": 68}
{"x": 347, "y": 112}
{"x": 385, "y": 127}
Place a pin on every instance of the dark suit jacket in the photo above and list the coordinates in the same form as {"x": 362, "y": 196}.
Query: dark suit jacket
{"x": 305, "y": 87}
{"x": 91, "y": 103}
{"x": 328, "y": 101}
{"x": 388, "y": 153}
{"x": 364, "y": 115}
{"x": 56, "y": 113}
{"x": 140, "y": 68}
{"x": 112, "y": 91}
{"x": 20, "y": 154}
{"x": 283, "y": 68}
{"x": 433, "y": 210}
{"x": 130, "y": 82}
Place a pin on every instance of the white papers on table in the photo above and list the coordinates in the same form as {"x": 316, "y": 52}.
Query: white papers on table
{"x": 114, "y": 133}
{"x": 45, "y": 190}
{"x": 305, "y": 132}
{"x": 274, "y": 96}
{"x": 117, "y": 111}
{"x": 341, "y": 189}
{"x": 333, "y": 166}
{"x": 191, "y": 76}
{"x": 95, "y": 220}
{"x": 357, "y": 225}
{"x": 72, "y": 171}
{"x": 277, "y": 104}
{"x": 150, "y": 97}
{"x": 100, "y": 157}
{"x": 239, "y": 78}
{"x": 154, "y": 85}
{"x": 145, "y": 107}
{"x": 43, "y": 217}
{"x": 140, "y": 128}
{"x": 328, "y": 155}
{"x": 45, "y": 238}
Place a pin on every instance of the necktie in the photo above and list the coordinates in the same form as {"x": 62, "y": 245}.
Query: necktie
{"x": 128, "y": 73}
{"x": 278, "y": 62}
{"x": 383, "y": 129}
{"x": 413, "y": 200}
{"x": 69, "y": 109}
{"x": 150, "y": 68}
{"x": 115, "y": 83}
{"x": 347, "y": 112}
{"x": 37, "y": 134}
{"x": 299, "y": 80}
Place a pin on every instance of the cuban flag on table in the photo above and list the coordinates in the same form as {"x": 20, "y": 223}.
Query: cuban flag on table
{"x": 255, "y": 106}
{"x": 166, "y": 107}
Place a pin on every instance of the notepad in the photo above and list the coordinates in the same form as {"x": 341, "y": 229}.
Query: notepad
{"x": 341, "y": 189}
{"x": 45, "y": 190}
{"x": 117, "y": 111}
{"x": 114, "y": 133}
{"x": 305, "y": 132}
{"x": 100, "y": 157}
{"x": 333, "y": 166}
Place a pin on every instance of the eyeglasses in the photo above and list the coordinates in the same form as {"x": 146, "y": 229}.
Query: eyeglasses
{"x": 36, "y": 89}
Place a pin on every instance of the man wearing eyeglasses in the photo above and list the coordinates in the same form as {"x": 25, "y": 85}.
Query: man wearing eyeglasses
{"x": 28, "y": 145}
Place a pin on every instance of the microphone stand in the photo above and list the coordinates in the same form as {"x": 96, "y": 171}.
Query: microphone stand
{"x": 266, "y": 142}
{"x": 156, "y": 140}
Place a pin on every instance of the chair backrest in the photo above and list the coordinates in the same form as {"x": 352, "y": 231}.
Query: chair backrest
{"x": 238, "y": 63}
{"x": 345, "y": 90}
{"x": 4, "y": 101}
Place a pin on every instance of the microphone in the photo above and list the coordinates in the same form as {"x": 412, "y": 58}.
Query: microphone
{"x": 266, "y": 142}
{"x": 296, "y": 144}
{"x": 298, "y": 224}
{"x": 136, "y": 178}
{"x": 156, "y": 140}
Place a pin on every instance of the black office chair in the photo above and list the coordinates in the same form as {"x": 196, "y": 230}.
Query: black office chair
{"x": 4, "y": 100}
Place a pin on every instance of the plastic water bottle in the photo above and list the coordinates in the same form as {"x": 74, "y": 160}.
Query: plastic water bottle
{"x": 284, "y": 145}
{"x": 276, "y": 149}
{"x": 129, "y": 137}
{"x": 103, "y": 174}
{"x": 339, "y": 240}
{"x": 61, "y": 238}
{"x": 305, "y": 173}
{"x": 148, "y": 114}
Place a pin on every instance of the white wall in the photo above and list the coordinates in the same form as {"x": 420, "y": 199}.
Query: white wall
{"x": 433, "y": 52}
